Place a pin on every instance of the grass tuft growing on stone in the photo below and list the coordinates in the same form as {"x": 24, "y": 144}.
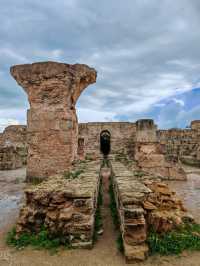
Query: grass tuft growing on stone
{"x": 113, "y": 207}
{"x": 115, "y": 217}
{"x": 73, "y": 174}
{"x": 120, "y": 245}
{"x": 88, "y": 157}
{"x": 98, "y": 217}
{"x": 139, "y": 173}
{"x": 123, "y": 158}
{"x": 42, "y": 240}
{"x": 186, "y": 237}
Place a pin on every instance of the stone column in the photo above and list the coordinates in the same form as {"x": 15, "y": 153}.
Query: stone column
{"x": 53, "y": 89}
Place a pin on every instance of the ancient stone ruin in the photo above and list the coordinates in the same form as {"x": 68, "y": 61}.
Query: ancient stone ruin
{"x": 65, "y": 206}
{"x": 52, "y": 89}
{"x": 13, "y": 148}
{"x": 66, "y": 159}
{"x": 177, "y": 145}
{"x": 149, "y": 155}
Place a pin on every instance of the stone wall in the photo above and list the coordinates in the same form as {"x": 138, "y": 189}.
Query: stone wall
{"x": 149, "y": 155}
{"x": 52, "y": 128}
{"x": 183, "y": 145}
{"x": 13, "y": 147}
{"x": 122, "y": 137}
{"x": 143, "y": 202}
{"x": 15, "y": 135}
{"x": 176, "y": 144}
{"x": 173, "y": 144}
{"x": 65, "y": 205}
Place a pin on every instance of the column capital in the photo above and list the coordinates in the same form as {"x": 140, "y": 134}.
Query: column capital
{"x": 45, "y": 82}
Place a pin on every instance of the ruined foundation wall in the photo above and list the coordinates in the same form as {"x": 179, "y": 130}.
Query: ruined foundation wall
{"x": 15, "y": 135}
{"x": 122, "y": 137}
{"x": 182, "y": 144}
{"x": 64, "y": 205}
{"x": 13, "y": 147}
{"x": 149, "y": 155}
{"x": 176, "y": 144}
{"x": 143, "y": 202}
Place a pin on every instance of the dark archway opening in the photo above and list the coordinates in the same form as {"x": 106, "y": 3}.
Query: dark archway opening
{"x": 105, "y": 142}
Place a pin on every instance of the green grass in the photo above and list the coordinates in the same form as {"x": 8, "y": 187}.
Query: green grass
{"x": 120, "y": 157}
{"x": 73, "y": 174}
{"x": 120, "y": 245}
{"x": 105, "y": 163}
{"x": 42, "y": 240}
{"x": 113, "y": 207}
{"x": 88, "y": 157}
{"x": 139, "y": 173}
{"x": 98, "y": 217}
{"x": 186, "y": 237}
{"x": 123, "y": 158}
{"x": 115, "y": 217}
{"x": 35, "y": 181}
{"x": 17, "y": 180}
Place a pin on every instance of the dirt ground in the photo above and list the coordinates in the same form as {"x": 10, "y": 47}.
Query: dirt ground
{"x": 104, "y": 253}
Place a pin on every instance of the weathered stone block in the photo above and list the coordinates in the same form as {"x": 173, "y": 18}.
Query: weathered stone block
{"x": 53, "y": 89}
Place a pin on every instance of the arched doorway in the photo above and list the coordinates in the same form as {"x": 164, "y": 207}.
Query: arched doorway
{"x": 105, "y": 142}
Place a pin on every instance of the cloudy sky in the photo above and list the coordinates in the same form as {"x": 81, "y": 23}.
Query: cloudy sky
{"x": 146, "y": 52}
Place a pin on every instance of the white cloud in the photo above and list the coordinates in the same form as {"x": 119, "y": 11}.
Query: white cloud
{"x": 55, "y": 54}
{"x": 179, "y": 101}
{"x": 7, "y": 52}
{"x": 88, "y": 115}
{"x": 7, "y": 122}
{"x": 141, "y": 59}
{"x": 12, "y": 116}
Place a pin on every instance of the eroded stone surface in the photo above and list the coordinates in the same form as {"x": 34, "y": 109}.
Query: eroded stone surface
{"x": 129, "y": 195}
{"x": 149, "y": 155}
{"x": 182, "y": 144}
{"x": 143, "y": 202}
{"x": 122, "y": 138}
{"x": 64, "y": 205}
{"x": 13, "y": 147}
{"x": 52, "y": 89}
{"x": 171, "y": 146}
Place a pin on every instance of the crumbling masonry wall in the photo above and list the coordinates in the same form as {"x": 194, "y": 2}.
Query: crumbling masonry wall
{"x": 122, "y": 137}
{"x": 176, "y": 144}
{"x": 52, "y": 128}
{"x": 65, "y": 205}
{"x": 182, "y": 144}
{"x": 143, "y": 202}
{"x": 13, "y": 147}
{"x": 149, "y": 155}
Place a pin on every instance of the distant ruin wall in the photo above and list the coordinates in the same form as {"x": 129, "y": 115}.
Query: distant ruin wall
{"x": 149, "y": 155}
{"x": 13, "y": 147}
{"x": 122, "y": 137}
{"x": 14, "y": 135}
{"x": 175, "y": 144}
{"x": 182, "y": 144}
